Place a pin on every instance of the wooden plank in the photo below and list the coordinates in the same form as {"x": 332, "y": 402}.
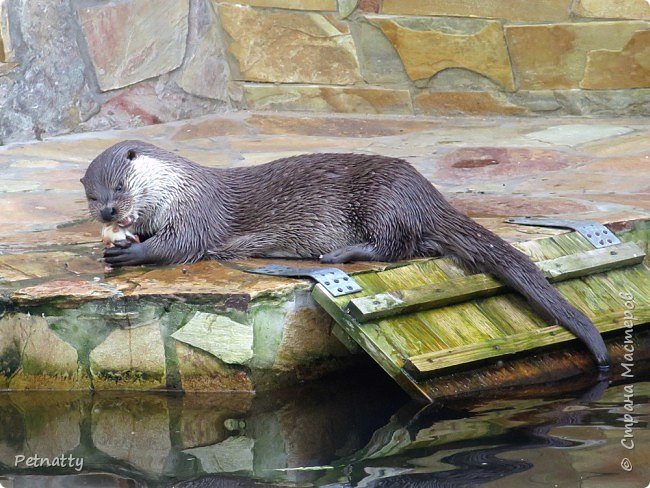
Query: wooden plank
{"x": 547, "y": 336}
{"x": 411, "y": 334}
{"x": 381, "y": 305}
{"x": 571, "y": 243}
{"x": 419, "y": 333}
{"x": 393, "y": 341}
{"x": 512, "y": 312}
{"x": 592, "y": 262}
{"x": 471, "y": 314}
{"x": 539, "y": 374}
{"x": 372, "y": 341}
{"x": 373, "y": 307}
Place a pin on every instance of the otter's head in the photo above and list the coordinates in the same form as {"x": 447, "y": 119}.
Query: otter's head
{"x": 123, "y": 184}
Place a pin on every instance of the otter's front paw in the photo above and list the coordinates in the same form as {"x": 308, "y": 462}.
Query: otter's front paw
{"x": 132, "y": 255}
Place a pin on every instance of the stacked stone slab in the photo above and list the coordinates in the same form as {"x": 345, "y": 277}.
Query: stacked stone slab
{"x": 136, "y": 62}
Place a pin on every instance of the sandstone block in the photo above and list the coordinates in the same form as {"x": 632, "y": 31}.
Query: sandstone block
{"x": 555, "y": 56}
{"x": 131, "y": 41}
{"x": 230, "y": 341}
{"x": 606, "y": 9}
{"x": 130, "y": 358}
{"x": 145, "y": 104}
{"x": 45, "y": 360}
{"x": 274, "y": 46}
{"x": 494, "y": 9}
{"x": 202, "y": 371}
{"x": 366, "y": 100}
{"x": 44, "y": 352}
{"x": 205, "y": 72}
{"x": 307, "y": 338}
{"x": 470, "y": 103}
{"x": 346, "y": 7}
{"x": 430, "y": 45}
{"x": 379, "y": 61}
{"x": 288, "y": 4}
{"x": 369, "y": 6}
{"x": 627, "y": 68}
{"x": 6, "y": 51}
{"x": 48, "y": 92}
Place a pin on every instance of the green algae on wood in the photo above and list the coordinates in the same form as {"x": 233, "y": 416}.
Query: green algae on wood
{"x": 474, "y": 320}
{"x": 503, "y": 346}
{"x": 459, "y": 290}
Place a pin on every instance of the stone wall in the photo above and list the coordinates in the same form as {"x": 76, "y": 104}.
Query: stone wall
{"x": 75, "y": 65}
{"x": 70, "y": 65}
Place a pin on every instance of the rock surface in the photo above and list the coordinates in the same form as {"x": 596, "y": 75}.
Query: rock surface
{"x": 464, "y": 102}
{"x": 274, "y": 46}
{"x": 202, "y": 371}
{"x": 626, "y": 9}
{"x": 49, "y": 90}
{"x": 555, "y": 56}
{"x": 346, "y": 7}
{"x": 627, "y": 68}
{"x": 235, "y": 454}
{"x": 288, "y": 4}
{"x": 6, "y": 47}
{"x": 379, "y": 61}
{"x": 205, "y": 71}
{"x": 70, "y": 67}
{"x": 520, "y": 10}
{"x": 131, "y": 358}
{"x": 230, "y": 341}
{"x": 151, "y": 43}
{"x": 133, "y": 429}
{"x": 363, "y": 100}
{"x": 430, "y": 45}
{"x": 43, "y": 360}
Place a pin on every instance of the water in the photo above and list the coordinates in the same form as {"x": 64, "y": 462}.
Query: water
{"x": 354, "y": 431}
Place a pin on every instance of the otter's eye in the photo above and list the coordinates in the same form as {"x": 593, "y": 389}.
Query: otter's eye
{"x": 119, "y": 187}
{"x": 131, "y": 155}
{"x": 92, "y": 199}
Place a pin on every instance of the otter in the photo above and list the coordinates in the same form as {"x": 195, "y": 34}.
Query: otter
{"x": 333, "y": 207}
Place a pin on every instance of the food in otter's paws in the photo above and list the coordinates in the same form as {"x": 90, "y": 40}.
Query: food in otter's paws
{"x": 112, "y": 233}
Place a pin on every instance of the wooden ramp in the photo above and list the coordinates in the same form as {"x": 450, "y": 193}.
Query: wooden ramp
{"x": 428, "y": 319}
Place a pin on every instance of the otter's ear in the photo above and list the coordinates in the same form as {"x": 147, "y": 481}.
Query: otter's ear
{"x": 131, "y": 155}
{"x": 83, "y": 181}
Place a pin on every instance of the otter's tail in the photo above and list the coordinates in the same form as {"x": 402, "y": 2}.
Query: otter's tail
{"x": 491, "y": 254}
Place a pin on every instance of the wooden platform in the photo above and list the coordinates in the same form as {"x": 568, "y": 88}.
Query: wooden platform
{"x": 428, "y": 323}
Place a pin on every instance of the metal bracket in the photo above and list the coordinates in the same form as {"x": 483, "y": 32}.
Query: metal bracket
{"x": 335, "y": 281}
{"x": 594, "y": 232}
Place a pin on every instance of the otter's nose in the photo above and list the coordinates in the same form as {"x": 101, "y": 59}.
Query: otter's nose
{"x": 108, "y": 213}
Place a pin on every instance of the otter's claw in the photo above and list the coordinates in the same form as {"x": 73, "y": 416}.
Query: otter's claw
{"x": 133, "y": 255}
{"x": 122, "y": 243}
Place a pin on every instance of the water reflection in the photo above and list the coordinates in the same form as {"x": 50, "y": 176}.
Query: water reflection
{"x": 354, "y": 431}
